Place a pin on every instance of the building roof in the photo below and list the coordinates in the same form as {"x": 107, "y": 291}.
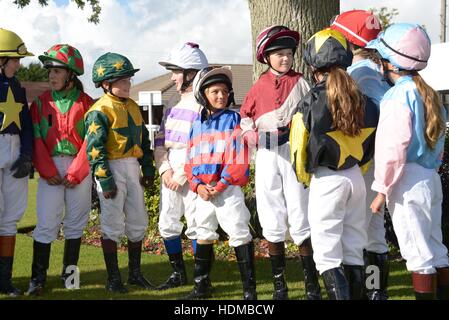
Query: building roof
{"x": 242, "y": 74}
{"x": 436, "y": 73}
{"x": 34, "y": 89}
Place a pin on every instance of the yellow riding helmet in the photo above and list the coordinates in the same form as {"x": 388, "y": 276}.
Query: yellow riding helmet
{"x": 12, "y": 46}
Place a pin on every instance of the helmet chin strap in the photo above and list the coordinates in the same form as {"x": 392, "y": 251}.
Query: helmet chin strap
{"x": 4, "y": 63}
{"x": 112, "y": 94}
{"x": 386, "y": 71}
{"x": 110, "y": 89}
{"x": 70, "y": 77}
{"x": 272, "y": 68}
{"x": 315, "y": 75}
{"x": 3, "y": 66}
{"x": 186, "y": 83}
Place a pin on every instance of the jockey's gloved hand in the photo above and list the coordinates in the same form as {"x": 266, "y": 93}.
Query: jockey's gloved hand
{"x": 22, "y": 167}
{"x": 146, "y": 182}
{"x": 110, "y": 194}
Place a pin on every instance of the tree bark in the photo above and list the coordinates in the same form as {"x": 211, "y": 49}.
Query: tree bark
{"x": 305, "y": 16}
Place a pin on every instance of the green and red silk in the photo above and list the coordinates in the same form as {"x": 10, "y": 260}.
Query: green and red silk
{"x": 66, "y": 55}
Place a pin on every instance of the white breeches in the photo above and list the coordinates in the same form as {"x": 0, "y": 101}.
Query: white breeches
{"x": 126, "y": 214}
{"x": 58, "y": 204}
{"x": 337, "y": 217}
{"x": 13, "y": 191}
{"x": 227, "y": 209}
{"x": 415, "y": 208}
{"x": 281, "y": 199}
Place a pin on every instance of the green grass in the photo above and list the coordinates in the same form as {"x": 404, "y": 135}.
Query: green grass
{"x": 225, "y": 276}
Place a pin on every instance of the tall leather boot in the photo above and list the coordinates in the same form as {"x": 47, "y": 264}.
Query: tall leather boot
{"x": 443, "y": 283}
{"x": 114, "y": 282}
{"x": 134, "y": 262}
{"x": 379, "y": 260}
{"x": 202, "y": 287}
{"x": 311, "y": 284}
{"x": 71, "y": 257}
{"x": 336, "y": 284}
{"x": 245, "y": 259}
{"x": 7, "y": 245}
{"x": 179, "y": 276}
{"x": 278, "y": 269}
{"x": 425, "y": 286}
{"x": 356, "y": 280}
{"x": 277, "y": 259}
{"x": 41, "y": 259}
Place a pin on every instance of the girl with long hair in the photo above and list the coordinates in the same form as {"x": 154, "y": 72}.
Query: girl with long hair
{"x": 409, "y": 147}
{"x": 332, "y": 135}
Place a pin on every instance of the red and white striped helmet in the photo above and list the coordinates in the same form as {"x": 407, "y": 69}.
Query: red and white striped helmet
{"x": 275, "y": 38}
{"x": 358, "y": 26}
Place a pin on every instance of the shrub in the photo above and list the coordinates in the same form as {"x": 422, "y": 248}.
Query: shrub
{"x": 444, "y": 173}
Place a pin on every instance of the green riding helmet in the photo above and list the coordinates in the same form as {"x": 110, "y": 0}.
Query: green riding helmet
{"x": 63, "y": 56}
{"x": 111, "y": 66}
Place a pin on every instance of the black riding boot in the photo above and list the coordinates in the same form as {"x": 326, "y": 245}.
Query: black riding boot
{"x": 179, "y": 276}
{"x": 336, "y": 284}
{"x": 114, "y": 283}
{"x": 135, "y": 276}
{"x": 443, "y": 283}
{"x": 380, "y": 260}
{"x": 71, "y": 256}
{"x": 311, "y": 284}
{"x": 203, "y": 263}
{"x": 279, "y": 283}
{"x": 245, "y": 259}
{"x": 7, "y": 245}
{"x": 41, "y": 259}
{"x": 356, "y": 280}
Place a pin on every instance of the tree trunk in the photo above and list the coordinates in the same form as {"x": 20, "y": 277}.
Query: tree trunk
{"x": 305, "y": 16}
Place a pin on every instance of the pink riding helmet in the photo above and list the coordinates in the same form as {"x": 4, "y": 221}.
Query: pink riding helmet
{"x": 404, "y": 45}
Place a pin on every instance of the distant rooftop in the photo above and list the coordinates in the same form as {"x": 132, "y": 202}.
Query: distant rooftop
{"x": 242, "y": 82}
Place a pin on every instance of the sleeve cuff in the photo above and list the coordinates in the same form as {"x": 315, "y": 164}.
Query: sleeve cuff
{"x": 72, "y": 179}
{"x": 107, "y": 184}
{"x": 164, "y": 167}
{"x": 179, "y": 176}
{"x": 380, "y": 188}
{"x": 194, "y": 185}
{"x": 221, "y": 186}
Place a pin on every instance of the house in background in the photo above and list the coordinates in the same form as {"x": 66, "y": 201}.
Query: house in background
{"x": 242, "y": 82}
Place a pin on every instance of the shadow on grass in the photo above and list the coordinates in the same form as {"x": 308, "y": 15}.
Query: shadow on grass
{"x": 225, "y": 278}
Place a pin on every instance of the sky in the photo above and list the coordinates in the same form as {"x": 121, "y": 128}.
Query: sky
{"x": 146, "y": 30}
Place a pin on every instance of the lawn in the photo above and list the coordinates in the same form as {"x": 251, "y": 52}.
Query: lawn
{"x": 225, "y": 276}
